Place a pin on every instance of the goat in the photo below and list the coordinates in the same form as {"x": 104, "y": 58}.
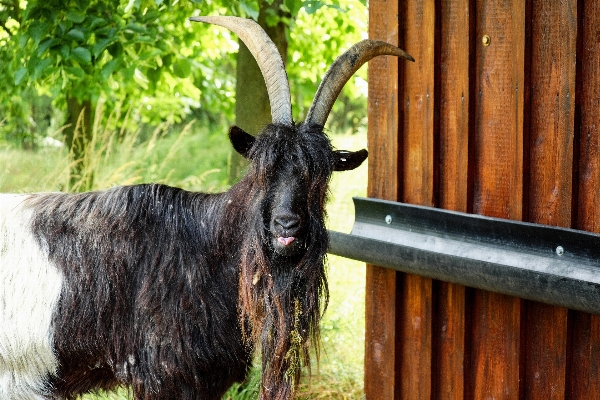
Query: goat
{"x": 170, "y": 292}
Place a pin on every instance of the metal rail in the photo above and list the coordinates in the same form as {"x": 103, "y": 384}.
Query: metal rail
{"x": 537, "y": 262}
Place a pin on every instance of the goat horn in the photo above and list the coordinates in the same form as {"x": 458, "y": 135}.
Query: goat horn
{"x": 341, "y": 70}
{"x": 269, "y": 61}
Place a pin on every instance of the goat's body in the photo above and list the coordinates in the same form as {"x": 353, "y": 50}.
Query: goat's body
{"x": 130, "y": 286}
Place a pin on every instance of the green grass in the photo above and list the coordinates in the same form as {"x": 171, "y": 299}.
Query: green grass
{"x": 197, "y": 160}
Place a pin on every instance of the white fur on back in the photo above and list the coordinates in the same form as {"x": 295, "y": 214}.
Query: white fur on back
{"x": 29, "y": 290}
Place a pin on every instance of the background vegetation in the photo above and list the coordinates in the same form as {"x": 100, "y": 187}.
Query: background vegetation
{"x": 160, "y": 94}
{"x": 147, "y": 59}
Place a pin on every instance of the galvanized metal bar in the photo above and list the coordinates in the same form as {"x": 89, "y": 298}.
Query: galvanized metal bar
{"x": 536, "y": 262}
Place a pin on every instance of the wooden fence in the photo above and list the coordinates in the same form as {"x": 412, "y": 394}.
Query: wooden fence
{"x": 500, "y": 116}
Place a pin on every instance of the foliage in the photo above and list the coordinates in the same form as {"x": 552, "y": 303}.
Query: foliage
{"x": 318, "y": 35}
{"x": 141, "y": 53}
{"x": 145, "y": 55}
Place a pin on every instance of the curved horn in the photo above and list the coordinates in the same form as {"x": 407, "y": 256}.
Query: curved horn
{"x": 341, "y": 70}
{"x": 269, "y": 61}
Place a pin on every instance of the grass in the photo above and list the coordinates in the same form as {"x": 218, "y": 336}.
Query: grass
{"x": 197, "y": 160}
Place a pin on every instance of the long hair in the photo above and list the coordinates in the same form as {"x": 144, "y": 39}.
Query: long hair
{"x": 282, "y": 299}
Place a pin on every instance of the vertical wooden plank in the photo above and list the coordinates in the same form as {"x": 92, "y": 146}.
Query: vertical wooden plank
{"x": 418, "y": 129}
{"x": 552, "y": 114}
{"x": 495, "y": 348}
{"x": 497, "y": 187}
{"x": 545, "y": 351}
{"x": 553, "y": 64}
{"x": 449, "y": 327}
{"x": 454, "y": 103}
{"x": 414, "y": 326}
{"x": 415, "y": 319}
{"x": 589, "y": 158}
{"x": 448, "y": 366}
{"x": 498, "y": 140}
{"x": 583, "y": 379}
{"x": 383, "y": 137}
{"x": 584, "y": 364}
{"x": 383, "y": 144}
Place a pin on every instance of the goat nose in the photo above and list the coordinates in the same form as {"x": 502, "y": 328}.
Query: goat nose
{"x": 287, "y": 221}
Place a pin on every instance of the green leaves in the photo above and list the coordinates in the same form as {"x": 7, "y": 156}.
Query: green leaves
{"x": 135, "y": 27}
{"x": 147, "y": 52}
{"x": 76, "y": 34}
{"x": 250, "y": 7}
{"x": 75, "y": 16}
{"x": 39, "y": 30}
{"x": 40, "y": 66}
{"x": 116, "y": 49}
{"x": 109, "y": 68}
{"x": 20, "y": 75}
{"x": 182, "y": 68}
{"x": 46, "y": 44}
{"x": 101, "y": 45}
{"x": 320, "y": 33}
{"x": 81, "y": 55}
{"x": 75, "y": 73}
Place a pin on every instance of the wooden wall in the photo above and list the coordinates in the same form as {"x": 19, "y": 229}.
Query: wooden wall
{"x": 500, "y": 116}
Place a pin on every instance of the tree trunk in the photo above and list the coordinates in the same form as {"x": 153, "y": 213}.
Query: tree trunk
{"x": 78, "y": 136}
{"x": 252, "y": 109}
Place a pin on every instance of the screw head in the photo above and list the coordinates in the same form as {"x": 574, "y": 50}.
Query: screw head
{"x": 560, "y": 250}
{"x": 388, "y": 219}
{"x": 486, "y": 40}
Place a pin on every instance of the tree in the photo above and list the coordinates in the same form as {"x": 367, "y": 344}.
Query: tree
{"x": 81, "y": 51}
{"x": 146, "y": 58}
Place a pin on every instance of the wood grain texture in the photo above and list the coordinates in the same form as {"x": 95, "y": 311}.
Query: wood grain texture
{"x": 380, "y": 334}
{"x": 419, "y": 102}
{"x": 454, "y": 101}
{"x": 583, "y": 377}
{"x": 498, "y": 136}
{"x": 588, "y": 93}
{"x": 414, "y": 334}
{"x": 508, "y": 130}
{"x": 383, "y": 122}
{"x": 414, "y": 323}
{"x": 497, "y": 188}
{"x": 553, "y": 64}
{"x": 545, "y": 350}
{"x": 553, "y": 49}
{"x": 383, "y": 183}
{"x": 454, "y": 93}
{"x": 449, "y": 341}
{"x": 495, "y": 347}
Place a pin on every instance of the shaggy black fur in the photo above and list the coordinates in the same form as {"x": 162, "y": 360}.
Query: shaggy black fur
{"x": 149, "y": 292}
{"x": 169, "y": 291}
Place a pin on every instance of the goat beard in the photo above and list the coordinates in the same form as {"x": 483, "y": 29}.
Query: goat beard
{"x": 281, "y": 305}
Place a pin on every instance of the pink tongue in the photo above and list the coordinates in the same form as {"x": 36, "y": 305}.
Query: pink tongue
{"x": 285, "y": 241}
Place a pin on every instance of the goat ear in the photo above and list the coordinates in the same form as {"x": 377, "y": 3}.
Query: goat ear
{"x": 242, "y": 142}
{"x": 347, "y": 160}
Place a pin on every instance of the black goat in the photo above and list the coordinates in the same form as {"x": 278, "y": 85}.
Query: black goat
{"x": 167, "y": 291}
